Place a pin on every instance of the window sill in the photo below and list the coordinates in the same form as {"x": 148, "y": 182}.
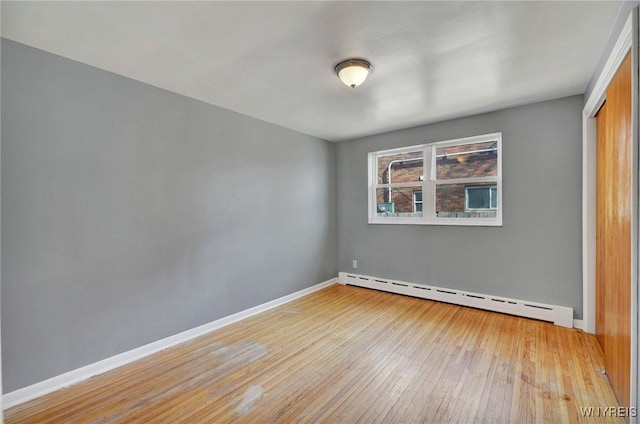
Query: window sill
{"x": 442, "y": 222}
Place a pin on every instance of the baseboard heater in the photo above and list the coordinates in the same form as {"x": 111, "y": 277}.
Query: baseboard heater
{"x": 559, "y": 315}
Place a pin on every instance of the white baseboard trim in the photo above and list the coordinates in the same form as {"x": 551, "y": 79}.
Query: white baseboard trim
{"x": 559, "y": 315}
{"x": 579, "y": 324}
{"x": 75, "y": 376}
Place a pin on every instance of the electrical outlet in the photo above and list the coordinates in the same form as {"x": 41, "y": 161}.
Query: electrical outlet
{"x": 355, "y": 264}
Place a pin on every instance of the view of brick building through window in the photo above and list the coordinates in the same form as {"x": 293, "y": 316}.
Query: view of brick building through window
{"x": 452, "y": 199}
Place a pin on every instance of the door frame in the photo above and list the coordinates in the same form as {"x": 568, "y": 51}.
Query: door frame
{"x": 627, "y": 41}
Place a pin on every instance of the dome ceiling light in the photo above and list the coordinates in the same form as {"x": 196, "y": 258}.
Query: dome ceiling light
{"x": 353, "y": 72}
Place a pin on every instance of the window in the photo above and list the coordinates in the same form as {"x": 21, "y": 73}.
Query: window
{"x": 481, "y": 197}
{"x": 417, "y": 200}
{"x": 455, "y": 182}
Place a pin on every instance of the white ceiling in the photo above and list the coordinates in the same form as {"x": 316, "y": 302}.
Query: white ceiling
{"x": 274, "y": 60}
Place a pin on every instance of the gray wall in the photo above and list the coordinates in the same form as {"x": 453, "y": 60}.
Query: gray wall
{"x": 535, "y": 255}
{"x": 130, "y": 214}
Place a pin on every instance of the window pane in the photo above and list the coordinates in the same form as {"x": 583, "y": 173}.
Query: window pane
{"x": 399, "y": 201}
{"x": 478, "y": 197}
{"x": 400, "y": 168}
{"x": 417, "y": 200}
{"x": 451, "y": 200}
{"x": 467, "y": 161}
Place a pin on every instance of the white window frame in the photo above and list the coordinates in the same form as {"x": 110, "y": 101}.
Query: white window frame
{"x": 428, "y": 185}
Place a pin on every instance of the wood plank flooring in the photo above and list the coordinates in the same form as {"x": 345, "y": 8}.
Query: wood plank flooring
{"x": 350, "y": 355}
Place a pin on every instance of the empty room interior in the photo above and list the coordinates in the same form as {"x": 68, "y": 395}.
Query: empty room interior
{"x": 319, "y": 211}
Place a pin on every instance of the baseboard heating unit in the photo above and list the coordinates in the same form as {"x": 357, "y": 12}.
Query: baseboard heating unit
{"x": 559, "y": 315}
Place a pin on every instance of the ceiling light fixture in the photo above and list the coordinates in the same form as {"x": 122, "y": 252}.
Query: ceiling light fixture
{"x": 353, "y": 72}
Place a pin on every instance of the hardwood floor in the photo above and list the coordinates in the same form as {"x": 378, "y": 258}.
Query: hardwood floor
{"x": 347, "y": 355}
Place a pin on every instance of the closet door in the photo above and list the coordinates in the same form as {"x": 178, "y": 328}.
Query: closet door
{"x": 613, "y": 231}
